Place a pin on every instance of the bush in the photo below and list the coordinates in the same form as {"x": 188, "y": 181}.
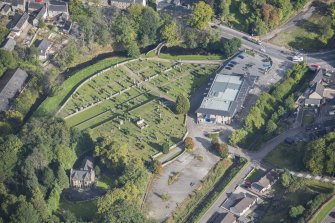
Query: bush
{"x": 157, "y": 167}
{"x": 189, "y": 144}
{"x": 165, "y": 148}
{"x": 182, "y": 104}
{"x": 296, "y": 211}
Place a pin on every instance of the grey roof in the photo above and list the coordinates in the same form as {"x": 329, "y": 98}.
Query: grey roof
{"x": 57, "y": 6}
{"x": 11, "y": 83}
{"x": 14, "y": 2}
{"x": 88, "y": 164}
{"x": 9, "y": 44}
{"x": 41, "y": 13}
{"x": 35, "y": 6}
{"x": 265, "y": 181}
{"x": 312, "y": 101}
{"x": 85, "y": 170}
{"x": 244, "y": 203}
{"x": 6, "y": 8}
{"x": 226, "y": 95}
{"x": 319, "y": 89}
{"x": 21, "y": 21}
{"x": 228, "y": 218}
{"x": 129, "y": 1}
{"x": 43, "y": 46}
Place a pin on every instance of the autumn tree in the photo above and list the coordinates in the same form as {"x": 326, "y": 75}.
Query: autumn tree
{"x": 189, "y": 143}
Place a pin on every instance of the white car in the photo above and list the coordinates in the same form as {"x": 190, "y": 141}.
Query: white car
{"x": 297, "y": 59}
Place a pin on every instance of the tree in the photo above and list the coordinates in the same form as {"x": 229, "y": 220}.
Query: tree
{"x": 65, "y": 156}
{"x": 182, "y": 104}
{"x": 147, "y": 28}
{"x": 111, "y": 153}
{"x": 326, "y": 30}
{"x": 237, "y": 137}
{"x": 230, "y": 47}
{"x": 62, "y": 178}
{"x": 9, "y": 148}
{"x": 243, "y": 8}
{"x": 135, "y": 173}
{"x": 296, "y": 211}
{"x": 189, "y": 144}
{"x": 170, "y": 33}
{"x": 222, "y": 149}
{"x": 25, "y": 213}
{"x": 271, "y": 127}
{"x": 39, "y": 204}
{"x": 202, "y": 14}
{"x": 224, "y": 9}
{"x": 285, "y": 179}
{"x": 54, "y": 198}
{"x": 165, "y": 148}
{"x": 157, "y": 167}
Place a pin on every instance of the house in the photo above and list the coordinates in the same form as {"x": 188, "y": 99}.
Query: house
{"x": 57, "y": 8}
{"x": 84, "y": 177}
{"x": 123, "y": 4}
{"x": 224, "y": 98}
{"x": 10, "y": 85}
{"x": 9, "y": 44}
{"x": 265, "y": 182}
{"x": 41, "y": 15}
{"x": 229, "y": 218}
{"x": 21, "y": 24}
{"x": 315, "y": 97}
{"x": 5, "y": 10}
{"x": 34, "y": 6}
{"x": 43, "y": 48}
{"x": 16, "y": 4}
{"x": 243, "y": 204}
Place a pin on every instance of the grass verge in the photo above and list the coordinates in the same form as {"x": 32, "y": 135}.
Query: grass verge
{"x": 323, "y": 212}
{"x": 84, "y": 210}
{"x": 191, "y": 57}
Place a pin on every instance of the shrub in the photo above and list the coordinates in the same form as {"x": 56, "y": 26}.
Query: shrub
{"x": 157, "y": 167}
{"x": 189, "y": 144}
{"x": 296, "y": 211}
{"x": 165, "y": 148}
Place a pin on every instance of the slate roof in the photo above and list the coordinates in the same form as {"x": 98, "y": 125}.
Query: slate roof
{"x": 244, "y": 203}
{"x": 6, "y": 8}
{"x": 11, "y": 83}
{"x": 35, "y": 6}
{"x": 84, "y": 174}
{"x": 41, "y": 13}
{"x": 57, "y": 6}
{"x": 319, "y": 89}
{"x": 312, "y": 101}
{"x": 43, "y": 46}
{"x": 226, "y": 95}
{"x": 265, "y": 181}
{"x": 21, "y": 21}
{"x": 228, "y": 218}
{"x": 9, "y": 44}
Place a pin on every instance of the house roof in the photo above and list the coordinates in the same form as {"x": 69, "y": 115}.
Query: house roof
{"x": 265, "y": 181}
{"x": 88, "y": 164}
{"x": 244, "y": 203}
{"x": 129, "y": 1}
{"x": 81, "y": 175}
{"x": 9, "y": 44}
{"x": 43, "y": 47}
{"x": 6, "y": 8}
{"x": 312, "y": 101}
{"x": 41, "y": 13}
{"x": 21, "y": 21}
{"x": 14, "y": 2}
{"x": 319, "y": 89}
{"x": 228, "y": 218}
{"x": 35, "y": 6}
{"x": 10, "y": 84}
{"x": 226, "y": 95}
{"x": 57, "y": 6}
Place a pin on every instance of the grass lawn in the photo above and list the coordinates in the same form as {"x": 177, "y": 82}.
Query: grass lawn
{"x": 254, "y": 175}
{"x": 191, "y": 57}
{"x": 102, "y": 185}
{"x": 85, "y": 210}
{"x": 305, "y": 34}
{"x": 323, "y": 212}
{"x": 51, "y": 104}
{"x": 287, "y": 156}
{"x": 308, "y": 119}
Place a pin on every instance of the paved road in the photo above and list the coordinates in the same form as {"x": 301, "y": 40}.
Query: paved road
{"x": 329, "y": 219}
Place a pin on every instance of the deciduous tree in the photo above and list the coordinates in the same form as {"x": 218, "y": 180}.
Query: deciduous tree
{"x": 202, "y": 14}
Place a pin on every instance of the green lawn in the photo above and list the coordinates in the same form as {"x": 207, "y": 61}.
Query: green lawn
{"x": 85, "y": 210}
{"x": 254, "y": 175}
{"x": 308, "y": 119}
{"x": 305, "y": 35}
{"x": 287, "y": 156}
{"x": 51, "y": 104}
{"x": 191, "y": 57}
{"x": 322, "y": 214}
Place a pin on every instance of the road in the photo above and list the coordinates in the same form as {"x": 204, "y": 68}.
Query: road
{"x": 328, "y": 218}
{"x": 280, "y": 54}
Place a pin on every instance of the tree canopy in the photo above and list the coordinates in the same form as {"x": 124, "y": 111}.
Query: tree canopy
{"x": 202, "y": 14}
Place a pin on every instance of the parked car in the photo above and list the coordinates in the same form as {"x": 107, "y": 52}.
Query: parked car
{"x": 332, "y": 214}
{"x": 297, "y": 58}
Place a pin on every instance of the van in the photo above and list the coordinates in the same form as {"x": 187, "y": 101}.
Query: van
{"x": 297, "y": 59}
